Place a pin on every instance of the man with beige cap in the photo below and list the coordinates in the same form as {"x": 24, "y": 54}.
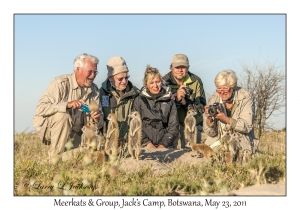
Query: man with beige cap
{"x": 188, "y": 93}
{"x": 59, "y": 113}
{"x": 117, "y": 93}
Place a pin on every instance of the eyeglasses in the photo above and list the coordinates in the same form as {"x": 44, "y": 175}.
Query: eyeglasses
{"x": 223, "y": 89}
{"x": 121, "y": 79}
{"x": 92, "y": 71}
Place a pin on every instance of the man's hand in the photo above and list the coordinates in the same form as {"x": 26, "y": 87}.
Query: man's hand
{"x": 150, "y": 145}
{"x": 209, "y": 119}
{"x": 96, "y": 116}
{"x": 76, "y": 104}
{"x": 180, "y": 93}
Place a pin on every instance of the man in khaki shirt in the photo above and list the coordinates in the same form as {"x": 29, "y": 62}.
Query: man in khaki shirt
{"x": 58, "y": 113}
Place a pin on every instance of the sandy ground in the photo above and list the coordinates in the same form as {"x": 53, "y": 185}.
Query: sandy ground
{"x": 264, "y": 189}
{"x": 163, "y": 160}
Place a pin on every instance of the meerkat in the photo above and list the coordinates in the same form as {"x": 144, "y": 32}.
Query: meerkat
{"x": 93, "y": 106}
{"x": 190, "y": 131}
{"x": 206, "y": 150}
{"x": 232, "y": 149}
{"x": 89, "y": 144}
{"x": 98, "y": 156}
{"x": 89, "y": 137}
{"x": 226, "y": 150}
{"x": 241, "y": 155}
{"x": 247, "y": 155}
{"x": 135, "y": 135}
{"x": 227, "y": 157}
{"x": 235, "y": 148}
{"x": 226, "y": 137}
{"x": 112, "y": 136}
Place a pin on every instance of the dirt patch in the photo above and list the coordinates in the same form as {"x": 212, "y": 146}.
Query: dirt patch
{"x": 164, "y": 160}
{"x": 161, "y": 160}
{"x": 260, "y": 190}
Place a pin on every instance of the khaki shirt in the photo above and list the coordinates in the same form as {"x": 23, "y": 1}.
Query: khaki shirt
{"x": 61, "y": 90}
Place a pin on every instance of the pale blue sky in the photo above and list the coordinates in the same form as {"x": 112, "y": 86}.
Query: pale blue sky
{"x": 45, "y": 46}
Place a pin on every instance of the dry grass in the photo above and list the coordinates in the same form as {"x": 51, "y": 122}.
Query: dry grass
{"x": 35, "y": 175}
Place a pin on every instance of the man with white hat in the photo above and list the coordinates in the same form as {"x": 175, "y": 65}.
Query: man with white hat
{"x": 117, "y": 93}
{"x": 188, "y": 93}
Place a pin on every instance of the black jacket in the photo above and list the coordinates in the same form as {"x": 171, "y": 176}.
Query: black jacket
{"x": 159, "y": 118}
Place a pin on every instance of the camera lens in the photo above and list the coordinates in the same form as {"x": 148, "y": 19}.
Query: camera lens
{"x": 212, "y": 111}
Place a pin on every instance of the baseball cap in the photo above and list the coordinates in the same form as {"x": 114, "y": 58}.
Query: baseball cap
{"x": 180, "y": 60}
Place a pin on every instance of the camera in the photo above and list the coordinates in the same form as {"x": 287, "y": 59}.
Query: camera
{"x": 188, "y": 91}
{"x": 212, "y": 109}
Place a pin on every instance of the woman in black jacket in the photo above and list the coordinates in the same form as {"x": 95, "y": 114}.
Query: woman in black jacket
{"x": 158, "y": 112}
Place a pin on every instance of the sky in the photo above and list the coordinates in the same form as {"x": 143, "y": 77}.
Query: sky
{"x": 45, "y": 47}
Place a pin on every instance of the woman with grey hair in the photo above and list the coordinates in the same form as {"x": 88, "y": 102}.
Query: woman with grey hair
{"x": 229, "y": 116}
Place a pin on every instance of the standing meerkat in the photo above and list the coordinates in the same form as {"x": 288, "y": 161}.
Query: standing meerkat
{"x": 227, "y": 157}
{"x": 89, "y": 137}
{"x": 190, "y": 131}
{"x": 246, "y": 156}
{"x": 230, "y": 146}
{"x": 241, "y": 155}
{"x": 112, "y": 136}
{"x": 89, "y": 143}
{"x": 135, "y": 135}
{"x": 93, "y": 106}
{"x": 226, "y": 138}
{"x": 190, "y": 135}
{"x": 232, "y": 150}
{"x": 90, "y": 128}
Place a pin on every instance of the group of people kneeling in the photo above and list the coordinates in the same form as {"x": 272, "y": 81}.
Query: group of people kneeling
{"x": 162, "y": 102}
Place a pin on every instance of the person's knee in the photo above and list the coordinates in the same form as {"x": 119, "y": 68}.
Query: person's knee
{"x": 60, "y": 119}
{"x": 60, "y": 124}
{"x": 61, "y": 116}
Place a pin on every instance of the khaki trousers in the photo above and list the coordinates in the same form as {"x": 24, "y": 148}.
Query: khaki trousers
{"x": 58, "y": 131}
